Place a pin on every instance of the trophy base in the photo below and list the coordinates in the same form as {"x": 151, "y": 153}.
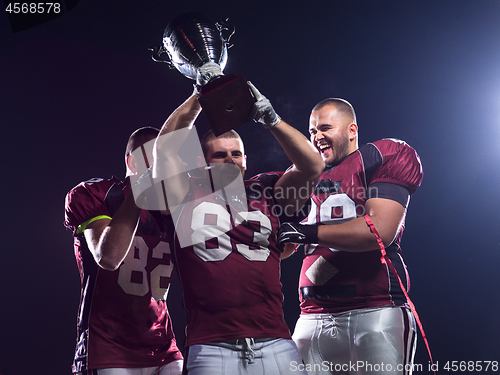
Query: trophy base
{"x": 227, "y": 102}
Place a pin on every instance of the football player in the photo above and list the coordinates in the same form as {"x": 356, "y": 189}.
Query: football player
{"x": 354, "y": 307}
{"x": 123, "y": 255}
{"x": 226, "y": 249}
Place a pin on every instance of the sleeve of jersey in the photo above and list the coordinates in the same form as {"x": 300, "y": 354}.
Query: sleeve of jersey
{"x": 84, "y": 202}
{"x": 400, "y": 165}
{"x": 268, "y": 179}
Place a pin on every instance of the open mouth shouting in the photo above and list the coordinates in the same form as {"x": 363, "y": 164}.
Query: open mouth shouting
{"x": 324, "y": 148}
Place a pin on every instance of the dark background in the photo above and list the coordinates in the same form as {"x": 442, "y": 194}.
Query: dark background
{"x": 428, "y": 72}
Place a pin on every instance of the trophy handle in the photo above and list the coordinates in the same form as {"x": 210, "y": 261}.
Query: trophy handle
{"x": 224, "y": 26}
{"x": 157, "y": 51}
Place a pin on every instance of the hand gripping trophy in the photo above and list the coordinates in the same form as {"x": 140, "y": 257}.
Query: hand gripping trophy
{"x": 196, "y": 47}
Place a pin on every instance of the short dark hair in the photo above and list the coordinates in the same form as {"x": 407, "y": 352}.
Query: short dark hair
{"x": 139, "y": 137}
{"x": 208, "y": 136}
{"x": 341, "y": 104}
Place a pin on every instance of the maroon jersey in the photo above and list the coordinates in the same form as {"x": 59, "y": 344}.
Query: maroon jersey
{"x": 335, "y": 281}
{"x": 122, "y": 319}
{"x": 231, "y": 273}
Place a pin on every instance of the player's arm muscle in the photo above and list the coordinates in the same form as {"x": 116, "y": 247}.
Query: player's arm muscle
{"x": 355, "y": 236}
{"x": 167, "y": 160}
{"x": 293, "y": 189}
{"x": 110, "y": 240}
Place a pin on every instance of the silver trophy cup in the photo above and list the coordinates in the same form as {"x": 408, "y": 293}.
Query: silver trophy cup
{"x": 191, "y": 40}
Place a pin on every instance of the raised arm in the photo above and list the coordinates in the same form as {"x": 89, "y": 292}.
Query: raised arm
{"x": 295, "y": 186}
{"x": 183, "y": 117}
{"x": 168, "y": 166}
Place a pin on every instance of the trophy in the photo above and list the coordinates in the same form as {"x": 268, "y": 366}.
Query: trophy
{"x": 192, "y": 40}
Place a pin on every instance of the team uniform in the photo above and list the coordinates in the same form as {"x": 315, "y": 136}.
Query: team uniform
{"x": 123, "y": 321}
{"x": 352, "y": 306}
{"x": 231, "y": 281}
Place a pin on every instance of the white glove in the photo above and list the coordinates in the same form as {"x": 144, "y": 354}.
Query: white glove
{"x": 207, "y": 72}
{"x": 262, "y": 111}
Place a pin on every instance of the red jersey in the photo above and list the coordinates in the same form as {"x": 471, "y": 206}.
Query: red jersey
{"x": 334, "y": 281}
{"x": 122, "y": 319}
{"x": 231, "y": 274}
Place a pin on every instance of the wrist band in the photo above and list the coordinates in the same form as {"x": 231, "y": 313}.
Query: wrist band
{"x": 311, "y": 233}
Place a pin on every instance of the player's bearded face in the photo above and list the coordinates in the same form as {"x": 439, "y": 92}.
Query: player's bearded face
{"x": 329, "y": 134}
